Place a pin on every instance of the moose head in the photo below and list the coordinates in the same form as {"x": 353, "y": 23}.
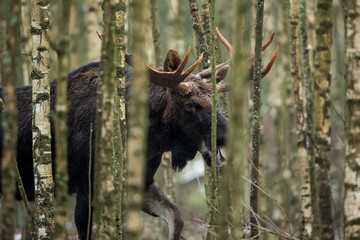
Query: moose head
{"x": 187, "y": 98}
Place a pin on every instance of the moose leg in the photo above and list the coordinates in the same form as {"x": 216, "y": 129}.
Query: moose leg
{"x": 157, "y": 204}
{"x": 82, "y": 216}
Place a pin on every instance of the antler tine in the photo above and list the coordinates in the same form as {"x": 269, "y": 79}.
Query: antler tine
{"x": 225, "y": 42}
{"x": 267, "y": 69}
{"x": 172, "y": 79}
{"x": 192, "y": 67}
{"x": 252, "y": 58}
{"x": 183, "y": 63}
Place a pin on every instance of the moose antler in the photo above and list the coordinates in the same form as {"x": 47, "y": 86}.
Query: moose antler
{"x": 169, "y": 79}
{"x": 264, "y": 71}
{"x": 173, "y": 79}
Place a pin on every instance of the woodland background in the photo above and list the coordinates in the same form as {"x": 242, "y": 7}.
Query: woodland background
{"x": 285, "y": 132}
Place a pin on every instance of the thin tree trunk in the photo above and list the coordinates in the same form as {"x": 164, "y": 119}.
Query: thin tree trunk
{"x": 201, "y": 46}
{"x": 231, "y": 188}
{"x": 61, "y": 110}
{"x": 44, "y": 185}
{"x": 94, "y": 22}
{"x": 309, "y": 86}
{"x": 155, "y": 31}
{"x": 309, "y": 213}
{"x": 26, "y": 41}
{"x": 104, "y": 226}
{"x": 83, "y": 28}
{"x": 138, "y": 124}
{"x": 256, "y": 120}
{"x": 206, "y": 19}
{"x": 300, "y": 122}
{"x": 286, "y": 114}
{"x": 168, "y": 176}
{"x": 322, "y": 113}
{"x": 10, "y": 59}
{"x": 175, "y": 26}
{"x": 352, "y": 164}
{"x": 212, "y": 176}
{"x": 120, "y": 120}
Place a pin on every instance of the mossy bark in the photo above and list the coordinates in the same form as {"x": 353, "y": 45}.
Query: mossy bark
{"x": 201, "y": 46}
{"x": 256, "y": 119}
{"x": 322, "y": 112}
{"x": 10, "y": 59}
{"x": 352, "y": 107}
{"x": 41, "y": 134}
{"x": 212, "y": 181}
{"x": 104, "y": 225}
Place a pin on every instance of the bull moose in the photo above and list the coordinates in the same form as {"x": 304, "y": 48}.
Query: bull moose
{"x": 180, "y": 121}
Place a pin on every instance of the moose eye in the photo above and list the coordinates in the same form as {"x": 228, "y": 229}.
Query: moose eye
{"x": 189, "y": 107}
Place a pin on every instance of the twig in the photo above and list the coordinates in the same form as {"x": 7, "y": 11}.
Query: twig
{"x": 268, "y": 194}
{"x": 89, "y": 178}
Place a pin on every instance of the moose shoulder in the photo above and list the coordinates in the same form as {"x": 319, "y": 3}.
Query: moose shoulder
{"x": 180, "y": 121}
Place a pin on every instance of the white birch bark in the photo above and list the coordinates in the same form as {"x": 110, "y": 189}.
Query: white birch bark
{"x": 43, "y": 178}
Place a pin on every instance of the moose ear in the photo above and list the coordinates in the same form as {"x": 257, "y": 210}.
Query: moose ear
{"x": 172, "y": 61}
{"x": 221, "y": 71}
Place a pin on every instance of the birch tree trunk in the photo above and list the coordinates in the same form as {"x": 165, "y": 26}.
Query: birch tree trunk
{"x": 322, "y": 113}
{"x": 61, "y": 111}
{"x": 120, "y": 133}
{"x": 352, "y": 106}
{"x": 138, "y": 124}
{"x": 10, "y": 59}
{"x": 256, "y": 120}
{"x": 43, "y": 177}
{"x": 104, "y": 226}
{"x": 300, "y": 122}
{"x": 308, "y": 166}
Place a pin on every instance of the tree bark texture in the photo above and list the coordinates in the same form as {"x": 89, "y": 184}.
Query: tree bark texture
{"x": 104, "y": 226}
{"x": 307, "y": 194}
{"x": 300, "y": 122}
{"x": 256, "y": 120}
{"x": 352, "y": 106}
{"x": 10, "y": 59}
{"x": 120, "y": 133}
{"x": 138, "y": 124}
{"x": 43, "y": 177}
{"x": 61, "y": 111}
{"x": 26, "y": 40}
{"x": 201, "y": 46}
{"x": 322, "y": 112}
{"x": 212, "y": 177}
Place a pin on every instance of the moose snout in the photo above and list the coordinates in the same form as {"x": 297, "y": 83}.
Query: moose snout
{"x": 222, "y": 124}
